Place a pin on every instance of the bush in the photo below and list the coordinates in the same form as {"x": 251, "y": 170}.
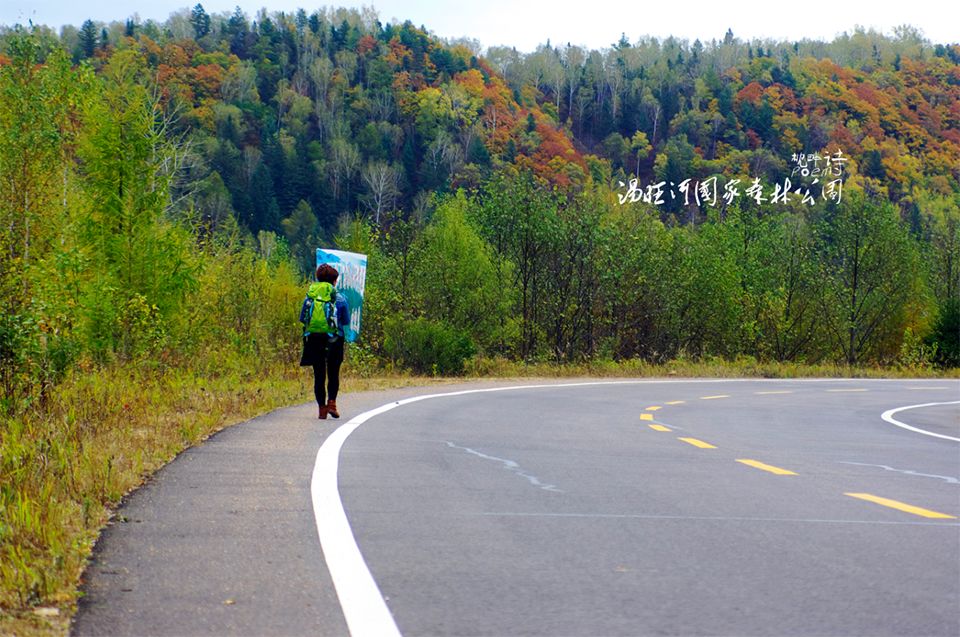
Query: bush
{"x": 946, "y": 335}
{"x": 427, "y": 347}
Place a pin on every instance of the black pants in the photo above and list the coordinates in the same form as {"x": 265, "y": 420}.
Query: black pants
{"x": 327, "y": 358}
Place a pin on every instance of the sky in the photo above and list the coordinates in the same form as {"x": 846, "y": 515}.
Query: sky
{"x": 525, "y": 25}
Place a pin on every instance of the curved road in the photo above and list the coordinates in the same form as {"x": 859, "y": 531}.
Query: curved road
{"x": 632, "y": 508}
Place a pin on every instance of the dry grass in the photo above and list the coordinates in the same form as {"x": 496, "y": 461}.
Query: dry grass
{"x": 68, "y": 462}
{"x": 712, "y": 368}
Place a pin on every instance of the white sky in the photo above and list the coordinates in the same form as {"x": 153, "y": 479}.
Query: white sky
{"x": 595, "y": 24}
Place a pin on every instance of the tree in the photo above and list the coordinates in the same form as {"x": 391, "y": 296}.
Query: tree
{"x": 572, "y": 276}
{"x": 870, "y": 271}
{"x": 200, "y": 21}
{"x": 641, "y": 146}
{"x": 703, "y": 312}
{"x": 39, "y": 104}
{"x": 88, "y": 39}
{"x": 518, "y": 216}
{"x": 239, "y": 31}
{"x": 455, "y": 276}
{"x": 382, "y": 182}
{"x": 615, "y": 147}
{"x": 342, "y": 166}
{"x": 300, "y": 229}
{"x": 213, "y": 203}
{"x": 632, "y": 280}
{"x": 144, "y": 263}
{"x": 38, "y": 112}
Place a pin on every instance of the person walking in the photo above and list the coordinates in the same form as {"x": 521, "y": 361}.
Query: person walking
{"x": 323, "y": 314}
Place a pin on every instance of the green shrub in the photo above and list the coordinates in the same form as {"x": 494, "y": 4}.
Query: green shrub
{"x": 428, "y": 347}
{"x": 946, "y": 335}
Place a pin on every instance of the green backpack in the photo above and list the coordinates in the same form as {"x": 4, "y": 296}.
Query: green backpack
{"x": 322, "y": 310}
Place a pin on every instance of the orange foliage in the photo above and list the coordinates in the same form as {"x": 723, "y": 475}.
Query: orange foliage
{"x": 366, "y": 45}
{"x": 554, "y": 160}
{"x": 750, "y": 93}
{"x": 914, "y": 118}
{"x": 399, "y": 56}
{"x": 472, "y": 81}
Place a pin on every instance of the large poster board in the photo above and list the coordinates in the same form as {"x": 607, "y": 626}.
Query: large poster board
{"x": 353, "y": 274}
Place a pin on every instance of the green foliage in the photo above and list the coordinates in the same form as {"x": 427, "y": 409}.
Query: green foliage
{"x": 871, "y": 276}
{"x": 779, "y": 279}
{"x": 300, "y": 229}
{"x": 427, "y": 347}
{"x": 633, "y": 286}
{"x": 454, "y": 277}
{"x": 703, "y": 312}
{"x": 38, "y": 114}
{"x": 37, "y": 105}
{"x": 518, "y": 217}
{"x": 144, "y": 264}
{"x": 944, "y": 340}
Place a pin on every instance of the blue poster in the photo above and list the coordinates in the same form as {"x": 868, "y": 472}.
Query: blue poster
{"x": 353, "y": 274}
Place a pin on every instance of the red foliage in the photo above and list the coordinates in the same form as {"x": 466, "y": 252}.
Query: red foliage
{"x": 752, "y": 93}
{"x": 366, "y": 45}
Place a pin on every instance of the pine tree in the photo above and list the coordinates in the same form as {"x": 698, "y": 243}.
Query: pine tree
{"x": 88, "y": 39}
{"x": 200, "y": 21}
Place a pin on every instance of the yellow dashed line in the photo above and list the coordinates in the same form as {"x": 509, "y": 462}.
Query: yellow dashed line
{"x": 660, "y": 428}
{"x": 766, "y": 467}
{"x": 675, "y": 402}
{"x": 837, "y": 391}
{"x": 901, "y": 506}
{"x": 646, "y": 416}
{"x": 767, "y": 393}
{"x": 653, "y": 408}
{"x": 715, "y": 397}
{"x": 697, "y": 443}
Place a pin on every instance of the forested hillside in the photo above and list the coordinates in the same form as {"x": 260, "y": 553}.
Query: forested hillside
{"x": 289, "y": 131}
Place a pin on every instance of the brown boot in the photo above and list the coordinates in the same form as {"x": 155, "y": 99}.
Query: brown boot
{"x": 323, "y": 413}
{"x": 332, "y": 408}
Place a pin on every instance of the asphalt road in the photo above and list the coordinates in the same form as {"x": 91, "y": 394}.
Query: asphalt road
{"x": 622, "y": 509}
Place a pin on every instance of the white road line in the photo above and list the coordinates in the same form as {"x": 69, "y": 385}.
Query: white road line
{"x": 363, "y": 606}
{"x": 909, "y": 472}
{"x": 509, "y": 465}
{"x": 888, "y": 416}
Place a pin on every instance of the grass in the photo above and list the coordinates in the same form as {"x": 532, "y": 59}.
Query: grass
{"x": 67, "y": 462}
{"x": 711, "y": 368}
